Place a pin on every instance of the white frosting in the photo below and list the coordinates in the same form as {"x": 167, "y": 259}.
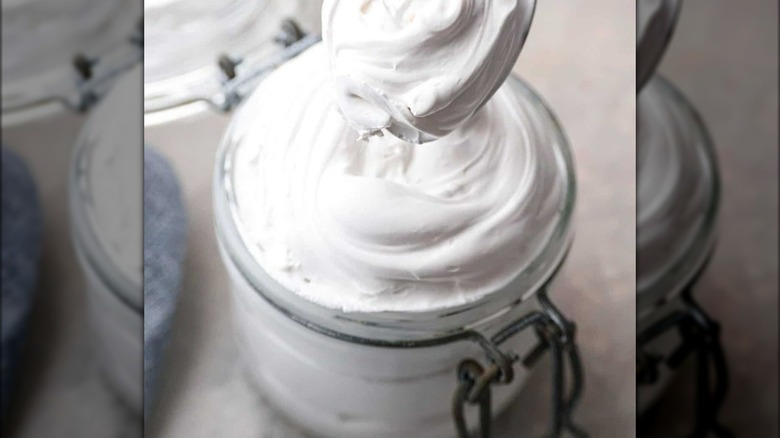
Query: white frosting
{"x": 384, "y": 224}
{"x": 114, "y": 169}
{"x": 675, "y": 183}
{"x": 655, "y": 22}
{"x": 420, "y": 68}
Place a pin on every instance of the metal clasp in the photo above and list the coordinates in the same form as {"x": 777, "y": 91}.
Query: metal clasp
{"x": 700, "y": 335}
{"x": 555, "y": 334}
{"x": 237, "y": 86}
{"x": 96, "y": 75}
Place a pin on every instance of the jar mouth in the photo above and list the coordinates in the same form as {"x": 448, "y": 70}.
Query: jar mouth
{"x": 688, "y": 263}
{"x": 243, "y": 30}
{"x": 395, "y": 325}
{"x": 47, "y": 90}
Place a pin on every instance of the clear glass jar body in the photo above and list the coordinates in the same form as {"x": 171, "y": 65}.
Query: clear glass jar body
{"x": 108, "y": 253}
{"x": 660, "y": 295}
{"x": 185, "y": 41}
{"x": 117, "y": 325}
{"x": 347, "y": 374}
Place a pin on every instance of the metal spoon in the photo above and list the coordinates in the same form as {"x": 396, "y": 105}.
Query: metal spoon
{"x": 656, "y": 20}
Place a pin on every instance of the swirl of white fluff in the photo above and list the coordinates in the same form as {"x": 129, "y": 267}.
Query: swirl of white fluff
{"x": 115, "y": 166}
{"x": 420, "y": 68}
{"x": 385, "y": 224}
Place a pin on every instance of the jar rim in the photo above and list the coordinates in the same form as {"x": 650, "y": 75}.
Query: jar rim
{"x": 399, "y": 326}
{"x": 693, "y": 258}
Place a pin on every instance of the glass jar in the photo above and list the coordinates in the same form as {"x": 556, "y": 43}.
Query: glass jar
{"x": 382, "y": 374}
{"x": 106, "y": 196}
{"x": 676, "y": 218}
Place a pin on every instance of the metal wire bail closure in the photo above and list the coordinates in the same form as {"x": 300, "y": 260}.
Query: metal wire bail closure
{"x": 554, "y": 333}
{"x": 97, "y": 75}
{"x": 238, "y": 85}
{"x": 700, "y": 336}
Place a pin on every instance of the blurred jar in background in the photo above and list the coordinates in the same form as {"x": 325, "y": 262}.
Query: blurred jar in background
{"x": 188, "y": 45}
{"x": 59, "y": 59}
{"x": 678, "y": 193}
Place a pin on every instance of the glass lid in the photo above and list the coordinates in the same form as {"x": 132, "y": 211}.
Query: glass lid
{"x": 42, "y": 38}
{"x": 186, "y": 38}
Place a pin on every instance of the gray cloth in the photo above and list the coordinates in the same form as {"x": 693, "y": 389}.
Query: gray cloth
{"x": 21, "y": 248}
{"x": 164, "y": 244}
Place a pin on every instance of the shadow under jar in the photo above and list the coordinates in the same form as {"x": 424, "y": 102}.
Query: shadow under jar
{"x": 382, "y": 374}
{"x": 676, "y": 231}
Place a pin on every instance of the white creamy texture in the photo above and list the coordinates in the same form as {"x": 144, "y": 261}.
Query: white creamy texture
{"x": 39, "y": 35}
{"x": 655, "y": 22}
{"x": 675, "y": 184}
{"x": 383, "y": 224}
{"x": 420, "y": 68}
{"x": 114, "y": 174}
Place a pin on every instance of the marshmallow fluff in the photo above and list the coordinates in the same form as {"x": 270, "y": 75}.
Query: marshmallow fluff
{"x": 383, "y": 224}
{"x": 420, "y": 68}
